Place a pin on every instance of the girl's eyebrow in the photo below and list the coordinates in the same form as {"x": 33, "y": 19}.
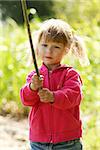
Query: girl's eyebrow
{"x": 58, "y": 44}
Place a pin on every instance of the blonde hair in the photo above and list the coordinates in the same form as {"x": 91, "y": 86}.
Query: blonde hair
{"x": 59, "y": 31}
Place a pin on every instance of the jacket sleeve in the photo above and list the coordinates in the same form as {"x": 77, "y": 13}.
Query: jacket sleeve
{"x": 28, "y": 97}
{"x": 70, "y": 94}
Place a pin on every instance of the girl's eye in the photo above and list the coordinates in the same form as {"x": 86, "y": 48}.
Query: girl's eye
{"x": 44, "y": 45}
{"x": 57, "y": 47}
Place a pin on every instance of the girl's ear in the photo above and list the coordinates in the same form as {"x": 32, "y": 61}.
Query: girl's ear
{"x": 67, "y": 50}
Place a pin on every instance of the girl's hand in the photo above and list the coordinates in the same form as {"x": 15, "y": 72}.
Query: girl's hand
{"x": 46, "y": 95}
{"x": 36, "y": 82}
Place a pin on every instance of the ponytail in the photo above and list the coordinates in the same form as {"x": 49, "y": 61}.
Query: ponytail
{"x": 78, "y": 48}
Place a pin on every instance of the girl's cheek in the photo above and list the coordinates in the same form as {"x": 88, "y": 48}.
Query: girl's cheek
{"x": 41, "y": 54}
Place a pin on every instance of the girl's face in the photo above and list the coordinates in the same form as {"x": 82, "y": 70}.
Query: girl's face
{"x": 51, "y": 52}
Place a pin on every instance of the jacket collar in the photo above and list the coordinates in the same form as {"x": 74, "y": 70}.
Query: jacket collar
{"x": 44, "y": 68}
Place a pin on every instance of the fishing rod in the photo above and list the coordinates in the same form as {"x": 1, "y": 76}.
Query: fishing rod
{"x": 24, "y": 8}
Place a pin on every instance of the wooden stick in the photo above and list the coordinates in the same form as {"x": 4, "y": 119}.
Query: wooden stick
{"x": 24, "y": 8}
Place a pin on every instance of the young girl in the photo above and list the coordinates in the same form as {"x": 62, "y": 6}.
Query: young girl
{"x": 54, "y": 98}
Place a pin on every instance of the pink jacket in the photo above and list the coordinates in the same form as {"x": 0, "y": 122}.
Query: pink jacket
{"x": 58, "y": 121}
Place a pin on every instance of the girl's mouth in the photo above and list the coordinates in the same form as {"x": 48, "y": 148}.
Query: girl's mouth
{"x": 47, "y": 57}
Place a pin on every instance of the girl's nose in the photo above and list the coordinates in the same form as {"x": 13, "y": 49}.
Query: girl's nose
{"x": 49, "y": 50}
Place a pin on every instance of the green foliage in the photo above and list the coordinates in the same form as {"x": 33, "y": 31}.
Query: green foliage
{"x": 42, "y": 7}
{"x": 13, "y": 64}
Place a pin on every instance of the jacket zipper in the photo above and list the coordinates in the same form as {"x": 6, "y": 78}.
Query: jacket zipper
{"x": 51, "y": 115}
{"x": 51, "y": 123}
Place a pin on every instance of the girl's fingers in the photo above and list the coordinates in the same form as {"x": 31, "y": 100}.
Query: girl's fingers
{"x": 36, "y": 78}
{"x": 46, "y": 95}
{"x": 43, "y": 95}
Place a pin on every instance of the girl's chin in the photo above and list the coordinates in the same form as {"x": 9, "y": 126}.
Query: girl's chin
{"x": 52, "y": 66}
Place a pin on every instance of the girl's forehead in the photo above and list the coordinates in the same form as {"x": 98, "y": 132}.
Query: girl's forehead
{"x": 49, "y": 39}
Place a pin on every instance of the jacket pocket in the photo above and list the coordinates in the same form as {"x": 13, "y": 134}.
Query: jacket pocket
{"x": 71, "y": 122}
{"x": 39, "y": 119}
{"x": 33, "y": 114}
{"x": 64, "y": 121}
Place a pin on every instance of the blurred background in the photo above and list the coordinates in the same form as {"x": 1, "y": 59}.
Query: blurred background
{"x": 15, "y": 61}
